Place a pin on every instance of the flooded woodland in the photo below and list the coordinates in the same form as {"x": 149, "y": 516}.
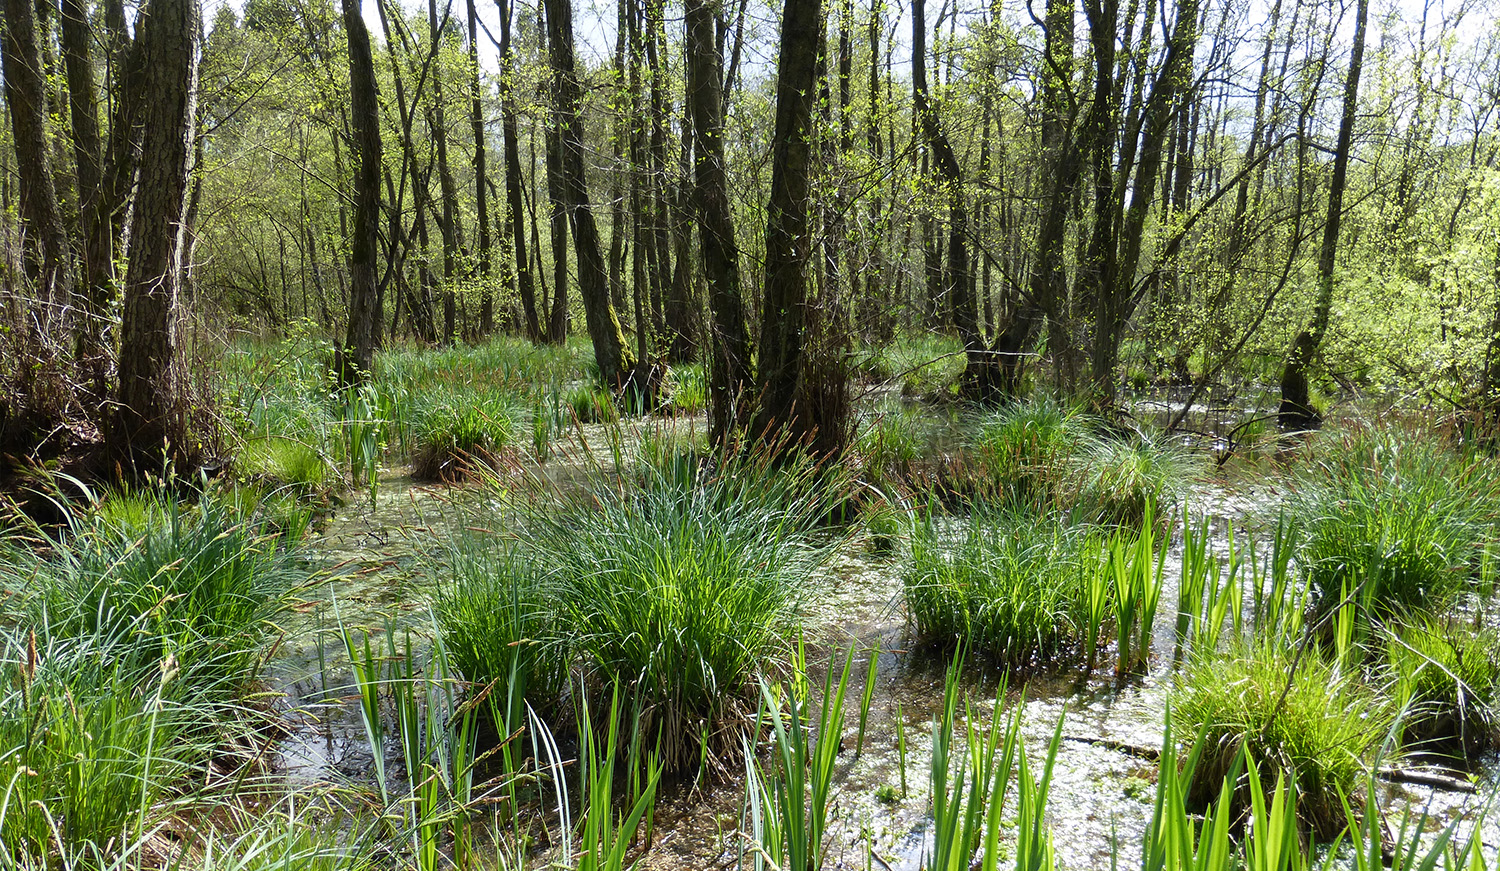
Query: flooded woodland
{"x": 560, "y": 634}
{"x": 733, "y": 435}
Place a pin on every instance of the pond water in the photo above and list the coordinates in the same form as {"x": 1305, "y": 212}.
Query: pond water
{"x": 382, "y": 556}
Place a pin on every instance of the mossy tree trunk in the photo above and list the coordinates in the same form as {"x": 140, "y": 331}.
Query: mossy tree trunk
{"x": 616, "y": 363}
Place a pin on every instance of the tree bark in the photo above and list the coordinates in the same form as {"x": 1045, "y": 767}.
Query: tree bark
{"x": 610, "y": 351}
{"x": 514, "y": 202}
{"x": 149, "y": 422}
{"x": 481, "y": 172}
{"x": 788, "y": 234}
{"x": 46, "y": 254}
{"x": 364, "y": 98}
{"x": 1296, "y": 411}
{"x": 730, "y": 375}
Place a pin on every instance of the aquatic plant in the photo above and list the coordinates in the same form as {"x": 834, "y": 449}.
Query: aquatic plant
{"x": 200, "y": 583}
{"x": 1013, "y": 586}
{"x": 1210, "y": 592}
{"x": 1024, "y": 450}
{"x": 1398, "y": 519}
{"x": 1114, "y": 479}
{"x": 788, "y": 809}
{"x": 1446, "y": 676}
{"x": 499, "y": 627}
{"x": 687, "y": 389}
{"x": 1135, "y": 574}
{"x": 455, "y": 430}
{"x": 90, "y": 745}
{"x": 279, "y": 460}
{"x": 683, "y": 588}
{"x": 1291, "y": 711}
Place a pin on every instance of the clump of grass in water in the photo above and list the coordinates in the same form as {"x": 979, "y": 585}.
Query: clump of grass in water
{"x": 283, "y": 461}
{"x": 498, "y": 625}
{"x": 1397, "y": 516}
{"x": 1013, "y": 586}
{"x": 1294, "y": 712}
{"x": 1446, "y": 675}
{"x": 687, "y": 389}
{"x": 145, "y": 627}
{"x": 1024, "y": 450}
{"x": 682, "y": 589}
{"x": 201, "y": 582}
{"x": 455, "y": 430}
{"x": 1114, "y": 480}
{"x": 91, "y": 745}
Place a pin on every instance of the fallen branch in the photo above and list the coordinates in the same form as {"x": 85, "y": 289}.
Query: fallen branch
{"x": 1421, "y": 777}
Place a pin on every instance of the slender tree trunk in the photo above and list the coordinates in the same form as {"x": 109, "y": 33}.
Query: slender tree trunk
{"x": 364, "y": 100}
{"x": 610, "y": 351}
{"x": 149, "y": 421}
{"x": 513, "y": 198}
{"x": 730, "y": 375}
{"x": 448, "y": 218}
{"x": 46, "y": 254}
{"x": 1296, "y": 411}
{"x": 481, "y": 178}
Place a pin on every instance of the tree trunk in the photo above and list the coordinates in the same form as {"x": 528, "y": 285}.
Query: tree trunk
{"x": 448, "y": 218}
{"x": 364, "y": 99}
{"x": 782, "y": 413}
{"x": 610, "y": 351}
{"x": 1296, "y": 411}
{"x": 513, "y": 199}
{"x": 481, "y": 173}
{"x": 46, "y": 254}
{"x": 729, "y": 344}
{"x": 149, "y": 422}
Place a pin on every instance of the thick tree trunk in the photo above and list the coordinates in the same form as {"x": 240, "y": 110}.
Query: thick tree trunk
{"x": 1296, "y": 411}
{"x": 783, "y": 413}
{"x": 730, "y": 375}
{"x": 359, "y": 346}
{"x": 610, "y": 351}
{"x": 149, "y": 421}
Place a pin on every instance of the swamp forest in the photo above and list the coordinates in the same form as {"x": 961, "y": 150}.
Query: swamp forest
{"x": 916, "y": 435}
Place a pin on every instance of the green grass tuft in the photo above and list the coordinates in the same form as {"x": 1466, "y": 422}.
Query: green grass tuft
{"x": 1396, "y": 517}
{"x": 1317, "y": 726}
{"x": 498, "y": 625}
{"x": 1025, "y": 448}
{"x": 457, "y": 430}
{"x": 682, "y": 590}
{"x": 1447, "y": 675}
{"x": 1013, "y": 586}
